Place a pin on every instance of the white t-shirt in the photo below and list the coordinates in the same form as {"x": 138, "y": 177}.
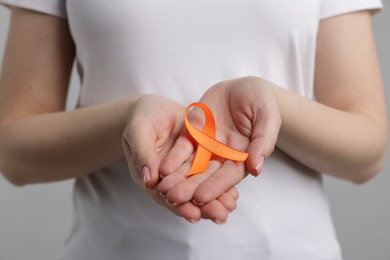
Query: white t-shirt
{"x": 179, "y": 49}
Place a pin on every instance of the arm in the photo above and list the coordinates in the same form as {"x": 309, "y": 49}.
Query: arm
{"x": 344, "y": 133}
{"x": 40, "y": 142}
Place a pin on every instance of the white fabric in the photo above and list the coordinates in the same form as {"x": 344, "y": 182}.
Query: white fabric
{"x": 53, "y": 7}
{"x": 179, "y": 49}
{"x": 332, "y": 8}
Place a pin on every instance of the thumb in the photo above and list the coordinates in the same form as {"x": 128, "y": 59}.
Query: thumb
{"x": 142, "y": 159}
{"x": 264, "y": 135}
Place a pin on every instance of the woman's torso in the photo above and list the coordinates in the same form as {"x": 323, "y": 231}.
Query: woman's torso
{"x": 179, "y": 49}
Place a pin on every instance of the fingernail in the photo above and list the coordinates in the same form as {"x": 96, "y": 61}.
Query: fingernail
{"x": 145, "y": 174}
{"x": 233, "y": 209}
{"x": 219, "y": 222}
{"x": 172, "y": 204}
{"x": 162, "y": 194}
{"x": 192, "y": 220}
{"x": 197, "y": 203}
{"x": 259, "y": 165}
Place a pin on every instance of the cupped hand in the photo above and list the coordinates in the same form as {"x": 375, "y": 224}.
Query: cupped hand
{"x": 247, "y": 118}
{"x": 154, "y": 124}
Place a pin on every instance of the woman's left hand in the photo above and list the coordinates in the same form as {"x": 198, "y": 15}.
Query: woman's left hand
{"x": 247, "y": 118}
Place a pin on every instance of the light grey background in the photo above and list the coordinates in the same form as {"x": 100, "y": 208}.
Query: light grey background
{"x": 35, "y": 220}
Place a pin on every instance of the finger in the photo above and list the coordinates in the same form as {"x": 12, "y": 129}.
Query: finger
{"x": 233, "y": 192}
{"x": 228, "y": 201}
{"x": 183, "y": 194}
{"x": 174, "y": 178}
{"x": 180, "y": 152}
{"x": 264, "y": 136}
{"x": 139, "y": 145}
{"x": 188, "y": 210}
{"x": 184, "y": 190}
{"x": 227, "y": 176}
{"x": 214, "y": 211}
{"x": 184, "y": 146}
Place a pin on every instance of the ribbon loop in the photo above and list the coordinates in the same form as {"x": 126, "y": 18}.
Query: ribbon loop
{"x": 207, "y": 144}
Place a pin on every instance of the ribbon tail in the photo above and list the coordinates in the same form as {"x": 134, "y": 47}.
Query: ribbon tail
{"x": 201, "y": 160}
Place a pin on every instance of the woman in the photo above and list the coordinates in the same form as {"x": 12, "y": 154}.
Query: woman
{"x": 324, "y": 111}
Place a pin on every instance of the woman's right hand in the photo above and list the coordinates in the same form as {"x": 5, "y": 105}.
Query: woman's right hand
{"x": 154, "y": 125}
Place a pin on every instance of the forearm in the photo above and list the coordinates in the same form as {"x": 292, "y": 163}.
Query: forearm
{"x": 343, "y": 144}
{"x": 62, "y": 145}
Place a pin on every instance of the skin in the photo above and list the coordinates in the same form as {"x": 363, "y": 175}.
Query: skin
{"x": 345, "y": 129}
{"x": 349, "y": 96}
{"x": 248, "y": 119}
{"x": 39, "y": 141}
{"x": 162, "y": 119}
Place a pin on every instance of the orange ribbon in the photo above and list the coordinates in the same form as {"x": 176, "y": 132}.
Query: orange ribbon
{"x": 207, "y": 144}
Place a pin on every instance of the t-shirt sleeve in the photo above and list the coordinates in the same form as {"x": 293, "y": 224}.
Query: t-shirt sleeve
{"x": 52, "y": 7}
{"x": 331, "y": 8}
